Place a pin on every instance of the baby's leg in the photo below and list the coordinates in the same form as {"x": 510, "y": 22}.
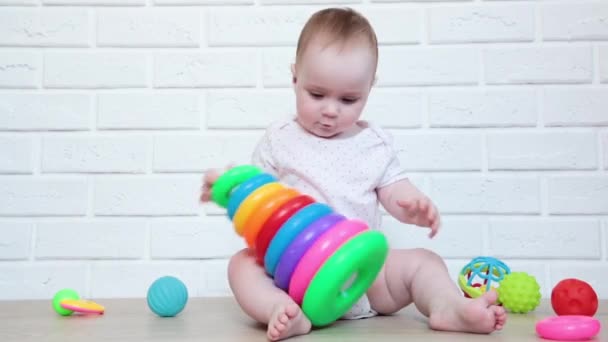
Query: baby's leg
{"x": 420, "y": 276}
{"x": 262, "y": 300}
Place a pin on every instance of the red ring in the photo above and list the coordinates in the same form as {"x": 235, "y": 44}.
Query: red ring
{"x": 275, "y": 221}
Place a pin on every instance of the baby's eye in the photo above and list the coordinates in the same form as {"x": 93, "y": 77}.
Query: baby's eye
{"x": 316, "y": 95}
{"x": 349, "y": 100}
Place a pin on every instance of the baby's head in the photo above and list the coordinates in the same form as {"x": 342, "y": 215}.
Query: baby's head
{"x": 335, "y": 68}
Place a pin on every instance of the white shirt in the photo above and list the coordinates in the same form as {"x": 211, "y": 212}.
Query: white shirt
{"x": 343, "y": 172}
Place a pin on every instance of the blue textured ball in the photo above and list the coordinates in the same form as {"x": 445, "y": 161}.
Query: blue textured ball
{"x": 167, "y": 296}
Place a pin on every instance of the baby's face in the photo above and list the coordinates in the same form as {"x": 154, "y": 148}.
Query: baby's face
{"x": 332, "y": 84}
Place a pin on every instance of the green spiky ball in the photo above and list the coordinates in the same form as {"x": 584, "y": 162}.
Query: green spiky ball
{"x": 519, "y": 292}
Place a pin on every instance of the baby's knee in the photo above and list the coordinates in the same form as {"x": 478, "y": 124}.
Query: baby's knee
{"x": 417, "y": 254}
{"x": 427, "y": 253}
{"x": 237, "y": 260}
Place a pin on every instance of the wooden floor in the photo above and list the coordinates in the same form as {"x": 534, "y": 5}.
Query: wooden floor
{"x": 220, "y": 319}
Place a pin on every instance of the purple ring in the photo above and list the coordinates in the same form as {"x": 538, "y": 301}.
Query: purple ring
{"x": 296, "y": 249}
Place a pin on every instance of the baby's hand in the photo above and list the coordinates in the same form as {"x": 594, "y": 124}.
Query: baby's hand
{"x": 421, "y": 212}
{"x": 210, "y": 177}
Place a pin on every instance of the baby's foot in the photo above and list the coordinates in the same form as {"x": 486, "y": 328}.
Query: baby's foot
{"x": 286, "y": 321}
{"x": 479, "y": 315}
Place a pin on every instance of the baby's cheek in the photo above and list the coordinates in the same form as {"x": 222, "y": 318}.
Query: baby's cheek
{"x": 307, "y": 111}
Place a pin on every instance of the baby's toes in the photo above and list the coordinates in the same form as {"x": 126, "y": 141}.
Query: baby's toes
{"x": 501, "y": 318}
{"x": 273, "y": 333}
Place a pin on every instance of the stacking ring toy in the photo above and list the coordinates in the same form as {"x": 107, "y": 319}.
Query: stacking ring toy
{"x": 256, "y": 222}
{"x": 299, "y": 246}
{"x": 322, "y": 259}
{"x": 568, "y": 328}
{"x": 289, "y": 230}
{"x": 245, "y": 189}
{"x": 252, "y": 202}
{"x": 275, "y": 221}
{"x": 226, "y": 182}
{"x": 362, "y": 257}
{"x": 316, "y": 255}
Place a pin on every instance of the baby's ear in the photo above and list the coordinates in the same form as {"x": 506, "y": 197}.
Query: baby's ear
{"x": 293, "y": 74}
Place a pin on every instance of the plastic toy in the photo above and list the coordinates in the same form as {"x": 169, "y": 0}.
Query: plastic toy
{"x": 519, "y": 292}
{"x": 311, "y": 252}
{"x": 574, "y": 297}
{"x": 167, "y": 296}
{"x": 568, "y": 328}
{"x": 480, "y": 275}
{"x": 67, "y": 301}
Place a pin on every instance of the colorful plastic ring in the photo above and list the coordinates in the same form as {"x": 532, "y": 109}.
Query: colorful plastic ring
{"x": 318, "y": 253}
{"x": 568, "y": 328}
{"x": 245, "y": 189}
{"x": 327, "y": 299}
{"x": 299, "y": 246}
{"x": 289, "y": 230}
{"x": 223, "y": 186}
{"x": 275, "y": 221}
{"x": 255, "y": 222}
{"x": 252, "y": 202}
{"x": 82, "y": 306}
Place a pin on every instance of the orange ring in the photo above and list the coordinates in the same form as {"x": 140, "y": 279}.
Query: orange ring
{"x": 252, "y": 202}
{"x": 263, "y": 212}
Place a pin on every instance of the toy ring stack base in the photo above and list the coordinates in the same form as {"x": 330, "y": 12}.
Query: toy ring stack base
{"x": 568, "y": 328}
{"x": 323, "y": 260}
{"x": 326, "y": 299}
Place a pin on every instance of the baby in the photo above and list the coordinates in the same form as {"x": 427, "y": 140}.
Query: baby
{"x": 327, "y": 152}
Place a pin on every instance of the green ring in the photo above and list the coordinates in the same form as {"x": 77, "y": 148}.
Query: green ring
{"x": 364, "y": 254}
{"x": 62, "y": 295}
{"x": 225, "y": 183}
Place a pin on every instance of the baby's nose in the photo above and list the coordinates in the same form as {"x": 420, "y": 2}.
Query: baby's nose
{"x": 330, "y": 111}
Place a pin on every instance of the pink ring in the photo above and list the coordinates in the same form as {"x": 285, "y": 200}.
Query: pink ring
{"x": 568, "y": 328}
{"x": 316, "y": 255}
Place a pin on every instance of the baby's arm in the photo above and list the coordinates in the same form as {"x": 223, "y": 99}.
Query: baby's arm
{"x": 409, "y": 205}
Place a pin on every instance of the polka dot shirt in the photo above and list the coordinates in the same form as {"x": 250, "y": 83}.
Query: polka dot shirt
{"x": 343, "y": 172}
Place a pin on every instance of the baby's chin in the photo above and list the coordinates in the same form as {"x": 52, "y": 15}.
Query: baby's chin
{"x": 319, "y": 132}
{"x": 327, "y": 134}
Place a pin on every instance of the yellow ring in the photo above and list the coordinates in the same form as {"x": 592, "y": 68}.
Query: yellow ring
{"x": 252, "y": 202}
{"x": 263, "y": 212}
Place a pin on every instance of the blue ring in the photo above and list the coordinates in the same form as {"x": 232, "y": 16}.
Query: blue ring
{"x": 289, "y": 230}
{"x": 245, "y": 189}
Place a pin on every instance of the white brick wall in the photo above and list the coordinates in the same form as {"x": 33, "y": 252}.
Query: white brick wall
{"x": 110, "y": 110}
{"x": 482, "y": 23}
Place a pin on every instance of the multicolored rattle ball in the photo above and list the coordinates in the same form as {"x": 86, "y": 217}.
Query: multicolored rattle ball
{"x": 67, "y": 301}
{"x": 323, "y": 260}
{"x": 480, "y": 275}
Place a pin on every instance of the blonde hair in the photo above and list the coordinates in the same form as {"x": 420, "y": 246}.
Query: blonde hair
{"x": 337, "y": 25}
